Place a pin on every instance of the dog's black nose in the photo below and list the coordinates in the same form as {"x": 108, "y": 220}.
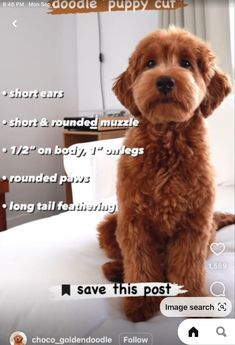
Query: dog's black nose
{"x": 165, "y": 84}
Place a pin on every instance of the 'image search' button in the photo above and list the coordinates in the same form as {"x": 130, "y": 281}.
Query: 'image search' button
{"x": 135, "y": 338}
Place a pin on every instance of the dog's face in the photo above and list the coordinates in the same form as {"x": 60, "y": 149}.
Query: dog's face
{"x": 18, "y": 339}
{"x": 170, "y": 76}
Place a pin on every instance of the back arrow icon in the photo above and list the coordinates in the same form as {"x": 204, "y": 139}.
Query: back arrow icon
{"x": 14, "y": 23}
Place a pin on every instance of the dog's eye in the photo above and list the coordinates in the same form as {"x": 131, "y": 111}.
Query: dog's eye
{"x": 185, "y": 63}
{"x": 151, "y": 63}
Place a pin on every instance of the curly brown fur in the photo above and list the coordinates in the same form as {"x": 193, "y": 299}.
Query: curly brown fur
{"x": 165, "y": 221}
{"x": 113, "y": 271}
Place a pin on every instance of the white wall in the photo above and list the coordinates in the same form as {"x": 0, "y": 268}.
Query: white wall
{"x": 232, "y": 28}
{"x": 39, "y": 54}
{"x": 121, "y": 31}
{"x": 218, "y": 34}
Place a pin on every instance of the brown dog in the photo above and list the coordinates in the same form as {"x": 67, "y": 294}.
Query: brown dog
{"x": 18, "y": 340}
{"x": 165, "y": 221}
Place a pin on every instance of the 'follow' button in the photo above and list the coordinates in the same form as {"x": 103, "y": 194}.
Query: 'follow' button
{"x": 135, "y": 338}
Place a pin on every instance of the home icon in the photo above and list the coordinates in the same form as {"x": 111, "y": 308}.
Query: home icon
{"x": 193, "y": 332}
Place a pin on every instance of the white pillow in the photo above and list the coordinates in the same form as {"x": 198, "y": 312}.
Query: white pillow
{"x": 221, "y": 138}
{"x": 101, "y": 168}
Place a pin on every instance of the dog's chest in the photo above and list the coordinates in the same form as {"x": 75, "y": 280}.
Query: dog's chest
{"x": 163, "y": 168}
{"x": 166, "y": 171}
{"x": 162, "y": 186}
{"x": 167, "y": 175}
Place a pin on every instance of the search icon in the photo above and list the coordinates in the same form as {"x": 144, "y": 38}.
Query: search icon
{"x": 221, "y": 331}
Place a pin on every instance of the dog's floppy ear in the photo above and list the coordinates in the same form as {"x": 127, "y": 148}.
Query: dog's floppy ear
{"x": 219, "y": 87}
{"x": 123, "y": 90}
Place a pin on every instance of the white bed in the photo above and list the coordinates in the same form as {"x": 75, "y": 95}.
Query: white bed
{"x": 64, "y": 250}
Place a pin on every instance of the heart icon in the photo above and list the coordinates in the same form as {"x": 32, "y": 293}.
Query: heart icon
{"x": 217, "y": 248}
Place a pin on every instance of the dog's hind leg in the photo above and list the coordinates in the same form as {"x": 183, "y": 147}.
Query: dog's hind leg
{"x": 107, "y": 236}
{"x": 223, "y": 219}
{"x": 219, "y": 221}
{"x": 113, "y": 271}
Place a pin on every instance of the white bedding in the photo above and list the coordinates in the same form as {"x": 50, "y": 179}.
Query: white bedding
{"x": 64, "y": 249}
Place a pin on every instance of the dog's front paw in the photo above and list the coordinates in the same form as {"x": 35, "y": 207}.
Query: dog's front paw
{"x": 141, "y": 308}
